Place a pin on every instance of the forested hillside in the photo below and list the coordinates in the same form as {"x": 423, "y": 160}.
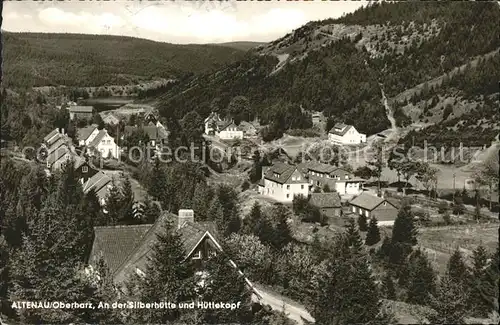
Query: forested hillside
{"x": 339, "y": 66}
{"x": 34, "y": 59}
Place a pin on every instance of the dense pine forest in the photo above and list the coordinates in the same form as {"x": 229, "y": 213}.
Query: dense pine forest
{"x": 36, "y": 59}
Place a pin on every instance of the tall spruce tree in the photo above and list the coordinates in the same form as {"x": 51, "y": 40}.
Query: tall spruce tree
{"x": 113, "y": 204}
{"x": 404, "y": 230}
{"x": 216, "y": 213}
{"x": 251, "y": 220}
{"x": 353, "y": 238}
{"x": 449, "y": 303}
{"x": 362, "y": 223}
{"x": 478, "y": 281}
{"x": 388, "y": 287}
{"x": 457, "y": 270}
{"x": 373, "y": 234}
{"x": 225, "y": 283}
{"x": 282, "y": 232}
{"x": 126, "y": 216}
{"x": 422, "y": 280}
{"x": 168, "y": 277}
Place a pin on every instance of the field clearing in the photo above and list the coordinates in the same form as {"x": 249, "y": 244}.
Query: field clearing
{"x": 468, "y": 237}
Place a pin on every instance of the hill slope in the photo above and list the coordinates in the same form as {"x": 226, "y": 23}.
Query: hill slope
{"x": 341, "y": 66}
{"x": 33, "y": 59}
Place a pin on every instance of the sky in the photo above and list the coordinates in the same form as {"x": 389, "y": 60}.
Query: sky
{"x": 180, "y": 22}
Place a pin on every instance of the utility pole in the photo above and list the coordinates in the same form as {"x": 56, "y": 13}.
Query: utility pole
{"x": 454, "y": 175}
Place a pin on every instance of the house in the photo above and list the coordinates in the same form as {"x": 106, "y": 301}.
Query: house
{"x": 58, "y": 157}
{"x": 228, "y": 130}
{"x": 87, "y": 134}
{"x": 58, "y": 149}
{"x": 370, "y": 205}
{"x": 81, "y": 112}
{"x": 100, "y": 183}
{"x": 104, "y": 144}
{"x": 211, "y": 123}
{"x": 329, "y": 204}
{"x": 249, "y": 129}
{"x": 83, "y": 169}
{"x": 111, "y": 119}
{"x": 282, "y": 182}
{"x": 157, "y": 134}
{"x": 150, "y": 116}
{"x": 345, "y": 134}
{"x": 337, "y": 178}
{"x": 317, "y": 117}
{"x": 127, "y": 249}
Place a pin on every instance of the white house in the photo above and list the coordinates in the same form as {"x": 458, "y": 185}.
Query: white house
{"x": 211, "y": 123}
{"x": 337, "y": 178}
{"x": 228, "y": 130}
{"x": 87, "y": 134}
{"x": 105, "y": 144}
{"x": 345, "y": 134}
{"x": 282, "y": 182}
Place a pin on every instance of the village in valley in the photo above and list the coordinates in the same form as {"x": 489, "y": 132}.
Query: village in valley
{"x": 182, "y": 191}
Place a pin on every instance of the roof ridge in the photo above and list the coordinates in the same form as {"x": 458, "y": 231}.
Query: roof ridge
{"x": 123, "y": 226}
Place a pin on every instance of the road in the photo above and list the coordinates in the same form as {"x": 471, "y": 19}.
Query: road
{"x": 293, "y": 310}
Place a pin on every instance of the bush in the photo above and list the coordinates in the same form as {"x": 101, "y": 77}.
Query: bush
{"x": 245, "y": 186}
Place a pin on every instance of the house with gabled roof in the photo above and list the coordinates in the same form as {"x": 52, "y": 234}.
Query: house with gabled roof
{"x": 111, "y": 119}
{"x": 127, "y": 249}
{"x": 100, "y": 183}
{"x": 329, "y": 204}
{"x": 337, "y": 178}
{"x": 211, "y": 123}
{"x": 81, "y": 112}
{"x": 282, "y": 182}
{"x": 104, "y": 144}
{"x": 370, "y": 205}
{"x": 157, "y": 133}
{"x": 345, "y": 134}
{"x": 228, "y": 130}
{"x": 87, "y": 134}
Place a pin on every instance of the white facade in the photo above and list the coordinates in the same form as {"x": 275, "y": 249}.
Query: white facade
{"x": 348, "y": 188}
{"x": 230, "y": 133}
{"x": 352, "y": 136}
{"x": 295, "y": 185}
{"x": 107, "y": 147}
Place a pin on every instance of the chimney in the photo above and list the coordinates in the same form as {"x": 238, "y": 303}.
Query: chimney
{"x": 184, "y": 215}
{"x": 62, "y": 131}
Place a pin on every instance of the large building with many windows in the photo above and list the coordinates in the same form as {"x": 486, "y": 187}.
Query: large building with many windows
{"x": 282, "y": 182}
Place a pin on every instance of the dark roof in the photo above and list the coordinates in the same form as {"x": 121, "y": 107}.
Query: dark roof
{"x": 368, "y": 201}
{"x": 191, "y": 234}
{"x": 340, "y": 129}
{"x": 102, "y": 133}
{"x": 153, "y": 132}
{"x": 57, "y": 154}
{"x": 280, "y": 172}
{"x": 84, "y": 133}
{"x": 318, "y": 167}
{"x": 81, "y": 109}
{"x": 116, "y": 242}
{"x": 223, "y": 125}
{"x": 325, "y": 200}
{"x": 98, "y": 183}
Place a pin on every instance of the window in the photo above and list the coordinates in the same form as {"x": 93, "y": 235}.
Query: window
{"x": 288, "y": 196}
{"x": 385, "y": 203}
{"x": 288, "y": 187}
{"x": 85, "y": 169}
{"x": 301, "y": 187}
{"x": 298, "y": 178}
{"x": 197, "y": 256}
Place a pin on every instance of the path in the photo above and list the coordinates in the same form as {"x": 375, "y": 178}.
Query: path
{"x": 276, "y": 302}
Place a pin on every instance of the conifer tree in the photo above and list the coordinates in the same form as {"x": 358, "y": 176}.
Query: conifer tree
{"x": 264, "y": 230}
{"x": 216, "y": 213}
{"x": 225, "y": 283}
{"x": 92, "y": 207}
{"x": 388, "y": 287}
{"x": 282, "y": 232}
{"x": 353, "y": 238}
{"x": 251, "y": 220}
{"x": 201, "y": 200}
{"x": 449, "y": 303}
{"x": 151, "y": 211}
{"x": 362, "y": 223}
{"x": 422, "y": 280}
{"x": 127, "y": 203}
{"x": 404, "y": 230}
{"x": 373, "y": 234}
{"x": 168, "y": 277}
{"x": 113, "y": 204}
{"x": 478, "y": 281}
{"x": 456, "y": 269}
